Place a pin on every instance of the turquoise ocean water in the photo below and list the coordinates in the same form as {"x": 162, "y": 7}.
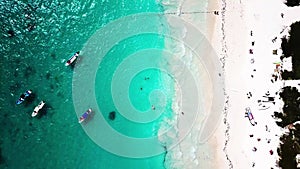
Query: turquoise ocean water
{"x": 36, "y": 39}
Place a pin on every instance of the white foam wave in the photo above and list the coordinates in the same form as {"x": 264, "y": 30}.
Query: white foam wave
{"x": 190, "y": 152}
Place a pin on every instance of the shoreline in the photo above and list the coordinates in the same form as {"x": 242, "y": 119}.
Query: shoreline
{"x": 192, "y": 152}
{"x": 214, "y": 35}
{"x": 212, "y": 19}
{"x": 249, "y": 80}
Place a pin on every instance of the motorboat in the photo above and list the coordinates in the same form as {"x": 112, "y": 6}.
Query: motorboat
{"x": 72, "y": 59}
{"x": 23, "y": 97}
{"x": 85, "y": 115}
{"x": 38, "y": 108}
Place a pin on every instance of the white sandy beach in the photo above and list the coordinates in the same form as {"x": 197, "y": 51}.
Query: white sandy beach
{"x": 242, "y": 76}
{"x": 241, "y": 26}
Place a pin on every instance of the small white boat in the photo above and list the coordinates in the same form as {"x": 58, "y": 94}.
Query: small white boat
{"x": 72, "y": 59}
{"x": 85, "y": 115}
{"x": 38, "y": 108}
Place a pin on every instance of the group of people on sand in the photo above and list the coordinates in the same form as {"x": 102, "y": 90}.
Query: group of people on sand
{"x": 249, "y": 95}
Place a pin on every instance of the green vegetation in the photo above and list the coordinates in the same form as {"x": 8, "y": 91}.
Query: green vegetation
{"x": 291, "y": 110}
{"x": 292, "y": 3}
{"x": 289, "y": 148}
{"x": 290, "y": 47}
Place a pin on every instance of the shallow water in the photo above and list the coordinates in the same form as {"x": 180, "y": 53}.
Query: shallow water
{"x": 36, "y": 39}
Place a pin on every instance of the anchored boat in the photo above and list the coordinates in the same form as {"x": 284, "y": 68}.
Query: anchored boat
{"x": 72, "y": 59}
{"x": 38, "y": 108}
{"x": 85, "y": 115}
{"x": 23, "y": 97}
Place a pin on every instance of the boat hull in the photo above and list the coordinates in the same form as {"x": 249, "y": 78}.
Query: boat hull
{"x": 72, "y": 59}
{"x": 25, "y": 95}
{"x": 84, "y": 116}
{"x": 38, "y": 108}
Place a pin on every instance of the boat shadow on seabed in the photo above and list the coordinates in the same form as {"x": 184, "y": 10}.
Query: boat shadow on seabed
{"x": 29, "y": 99}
